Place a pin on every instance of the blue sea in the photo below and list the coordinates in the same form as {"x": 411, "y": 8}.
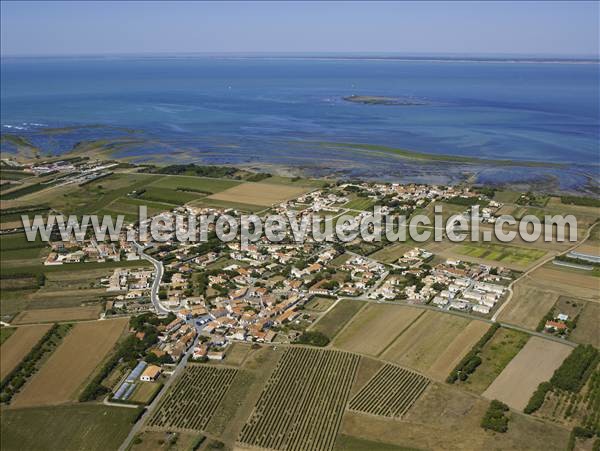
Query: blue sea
{"x": 279, "y": 111}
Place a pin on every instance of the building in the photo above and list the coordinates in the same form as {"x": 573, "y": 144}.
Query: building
{"x": 151, "y": 373}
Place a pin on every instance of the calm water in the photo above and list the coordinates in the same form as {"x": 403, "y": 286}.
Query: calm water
{"x": 278, "y": 110}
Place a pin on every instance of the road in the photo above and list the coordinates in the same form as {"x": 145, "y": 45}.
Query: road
{"x": 152, "y": 406}
{"x": 159, "y": 271}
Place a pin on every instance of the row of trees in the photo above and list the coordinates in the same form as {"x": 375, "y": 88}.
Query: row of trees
{"x": 471, "y": 361}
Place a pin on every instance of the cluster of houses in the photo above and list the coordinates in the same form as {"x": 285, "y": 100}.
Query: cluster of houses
{"x": 90, "y": 251}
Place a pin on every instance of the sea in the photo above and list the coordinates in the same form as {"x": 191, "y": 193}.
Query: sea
{"x": 282, "y": 113}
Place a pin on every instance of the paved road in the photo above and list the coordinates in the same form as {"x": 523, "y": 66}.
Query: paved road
{"x": 152, "y": 406}
{"x": 159, "y": 270}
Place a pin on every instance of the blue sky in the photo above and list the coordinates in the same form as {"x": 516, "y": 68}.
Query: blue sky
{"x": 56, "y": 28}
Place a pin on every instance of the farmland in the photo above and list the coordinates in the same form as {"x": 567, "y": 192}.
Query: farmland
{"x": 501, "y": 253}
{"x": 58, "y": 314}
{"x": 587, "y": 331}
{"x": 425, "y": 340}
{"x": 375, "y": 327}
{"x": 259, "y": 193}
{"x": 190, "y": 403}
{"x": 337, "y": 317}
{"x": 534, "y": 364}
{"x": 62, "y": 376}
{"x": 495, "y": 355}
{"x": 304, "y": 399}
{"x": 528, "y": 305}
{"x": 18, "y": 345}
{"x": 194, "y": 184}
{"x": 391, "y": 392}
{"x": 457, "y": 349}
{"x": 85, "y": 426}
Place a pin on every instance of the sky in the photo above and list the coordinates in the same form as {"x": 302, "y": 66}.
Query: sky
{"x": 76, "y": 28}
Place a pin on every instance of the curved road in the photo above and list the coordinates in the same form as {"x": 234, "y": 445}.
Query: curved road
{"x": 159, "y": 270}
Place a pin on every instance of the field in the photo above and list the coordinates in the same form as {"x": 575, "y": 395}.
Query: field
{"x": 391, "y": 392}
{"x": 528, "y": 305}
{"x": 145, "y": 392}
{"x": 568, "y": 282}
{"x": 425, "y": 340}
{"x": 259, "y": 193}
{"x": 587, "y": 331}
{"x": 495, "y": 355}
{"x": 62, "y": 376}
{"x": 390, "y": 254}
{"x": 194, "y": 184}
{"x": 166, "y": 440}
{"x": 445, "y": 418}
{"x": 6, "y": 332}
{"x": 18, "y": 345}
{"x": 319, "y": 304}
{"x": 457, "y": 349}
{"x": 303, "y": 402}
{"x": 360, "y": 203}
{"x": 501, "y": 253}
{"x": 58, "y": 314}
{"x": 535, "y": 363}
{"x": 66, "y": 428}
{"x": 190, "y": 403}
{"x": 375, "y": 327}
{"x": 337, "y": 317}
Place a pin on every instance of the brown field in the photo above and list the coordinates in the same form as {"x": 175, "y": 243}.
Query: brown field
{"x": 259, "y": 193}
{"x": 425, "y": 340}
{"x": 445, "y": 418}
{"x": 457, "y": 349}
{"x": 535, "y": 363}
{"x": 375, "y": 327}
{"x": 58, "y": 314}
{"x": 587, "y": 331}
{"x": 589, "y": 247}
{"x": 567, "y": 282}
{"x": 528, "y": 305}
{"x": 72, "y": 363}
{"x": 18, "y": 345}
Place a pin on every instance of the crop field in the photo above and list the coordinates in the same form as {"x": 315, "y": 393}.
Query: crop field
{"x": 390, "y": 254}
{"x": 337, "y": 317}
{"x": 91, "y": 427}
{"x": 528, "y": 305}
{"x": 504, "y": 345}
{"x": 360, "y": 203}
{"x": 71, "y": 364}
{"x": 259, "y": 193}
{"x": 445, "y": 418}
{"x": 145, "y": 392}
{"x": 457, "y": 349}
{"x": 535, "y": 363}
{"x": 58, "y": 314}
{"x": 303, "y": 402}
{"x": 501, "y": 253}
{"x": 587, "y": 331}
{"x": 375, "y": 327}
{"x": 391, "y": 392}
{"x": 18, "y": 345}
{"x": 190, "y": 403}
{"x": 194, "y": 184}
{"x": 206, "y": 202}
{"x": 425, "y": 340}
{"x": 5, "y": 333}
{"x": 581, "y": 284}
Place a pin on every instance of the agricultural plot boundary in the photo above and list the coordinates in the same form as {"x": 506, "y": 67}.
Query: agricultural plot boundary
{"x": 190, "y": 404}
{"x": 302, "y": 404}
{"x": 390, "y": 393}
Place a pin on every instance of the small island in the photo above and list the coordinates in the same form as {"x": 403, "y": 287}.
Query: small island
{"x": 385, "y": 100}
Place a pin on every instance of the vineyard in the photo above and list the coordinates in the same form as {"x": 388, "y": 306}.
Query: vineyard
{"x": 193, "y": 399}
{"x": 303, "y": 402}
{"x": 390, "y": 393}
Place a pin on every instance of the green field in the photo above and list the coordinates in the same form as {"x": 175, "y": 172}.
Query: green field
{"x": 89, "y": 427}
{"x": 216, "y": 203}
{"x": 6, "y": 332}
{"x": 170, "y": 196}
{"x": 17, "y": 241}
{"x": 360, "y": 203}
{"x": 501, "y": 253}
{"x": 38, "y": 269}
{"x": 495, "y": 355}
{"x": 145, "y": 392}
{"x": 199, "y": 184}
{"x": 349, "y": 443}
{"x": 338, "y": 317}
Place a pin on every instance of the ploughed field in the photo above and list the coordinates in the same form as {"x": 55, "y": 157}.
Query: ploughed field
{"x": 302, "y": 404}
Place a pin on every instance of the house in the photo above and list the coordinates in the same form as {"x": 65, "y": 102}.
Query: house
{"x": 555, "y": 326}
{"x": 151, "y": 373}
